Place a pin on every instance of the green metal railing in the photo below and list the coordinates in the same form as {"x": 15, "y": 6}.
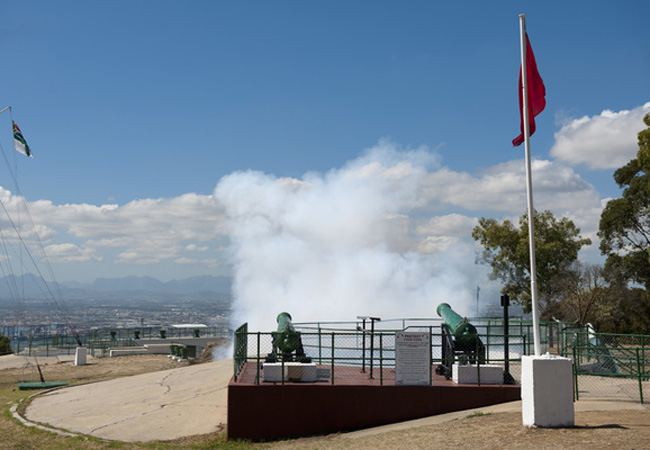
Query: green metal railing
{"x": 345, "y": 354}
{"x": 98, "y": 342}
{"x": 615, "y": 362}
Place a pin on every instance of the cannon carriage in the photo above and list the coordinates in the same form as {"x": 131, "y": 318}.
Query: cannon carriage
{"x": 287, "y": 343}
{"x": 460, "y": 341}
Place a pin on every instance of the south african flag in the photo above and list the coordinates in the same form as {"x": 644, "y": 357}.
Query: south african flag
{"x": 19, "y": 142}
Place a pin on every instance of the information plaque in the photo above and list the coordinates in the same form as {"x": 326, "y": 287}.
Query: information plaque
{"x": 412, "y": 358}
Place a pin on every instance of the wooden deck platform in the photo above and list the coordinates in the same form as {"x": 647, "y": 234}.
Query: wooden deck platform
{"x": 260, "y": 411}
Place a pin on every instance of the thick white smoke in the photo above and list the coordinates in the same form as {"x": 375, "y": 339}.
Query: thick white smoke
{"x": 337, "y": 245}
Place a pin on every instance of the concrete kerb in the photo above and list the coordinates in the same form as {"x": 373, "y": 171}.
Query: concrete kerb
{"x": 27, "y": 423}
{"x": 19, "y": 417}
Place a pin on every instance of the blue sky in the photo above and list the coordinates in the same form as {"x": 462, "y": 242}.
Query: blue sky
{"x": 137, "y": 111}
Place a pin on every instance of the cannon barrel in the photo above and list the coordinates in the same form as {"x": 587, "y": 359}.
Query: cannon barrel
{"x": 464, "y": 332}
{"x": 460, "y": 340}
{"x": 287, "y": 339}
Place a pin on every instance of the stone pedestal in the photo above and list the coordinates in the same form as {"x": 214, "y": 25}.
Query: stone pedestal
{"x": 272, "y": 372}
{"x": 471, "y": 374}
{"x": 80, "y": 355}
{"x": 293, "y": 371}
{"x": 547, "y": 391}
{"x": 301, "y": 372}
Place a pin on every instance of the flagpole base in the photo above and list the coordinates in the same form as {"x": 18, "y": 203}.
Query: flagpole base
{"x": 547, "y": 391}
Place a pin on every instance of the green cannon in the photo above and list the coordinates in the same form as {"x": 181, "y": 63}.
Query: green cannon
{"x": 287, "y": 342}
{"x": 460, "y": 341}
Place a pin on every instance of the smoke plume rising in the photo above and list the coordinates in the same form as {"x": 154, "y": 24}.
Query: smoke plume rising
{"x": 345, "y": 243}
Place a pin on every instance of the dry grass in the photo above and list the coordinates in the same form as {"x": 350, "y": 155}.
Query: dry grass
{"x": 628, "y": 429}
{"x": 594, "y": 430}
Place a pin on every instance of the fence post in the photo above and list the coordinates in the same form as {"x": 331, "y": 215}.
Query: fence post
{"x": 478, "y": 364}
{"x": 381, "y": 359}
{"x": 332, "y": 354}
{"x": 257, "y": 378}
{"x": 638, "y": 374}
{"x": 575, "y": 376}
{"x": 430, "y": 355}
{"x": 282, "y": 368}
{"x": 525, "y": 347}
{"x": 320, "y": 346}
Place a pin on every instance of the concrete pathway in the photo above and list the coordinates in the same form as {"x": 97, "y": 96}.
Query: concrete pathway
{"x": 161, "y": 405}
{"x": 16, "y": 362}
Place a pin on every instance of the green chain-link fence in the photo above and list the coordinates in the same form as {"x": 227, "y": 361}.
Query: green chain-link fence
{"x": 343, "y": 355}
{"x": 99, "y": 342}
{"x": 607, "y": 366}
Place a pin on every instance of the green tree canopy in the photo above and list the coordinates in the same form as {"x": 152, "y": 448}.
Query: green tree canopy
{"x": 506, "y": 250}
{"x": 624, "y": 227}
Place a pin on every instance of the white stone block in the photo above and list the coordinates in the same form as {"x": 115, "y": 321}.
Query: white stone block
{"x": 272, "y": 372}
{"x": 547, "y": 391}
{"x": 80, "y": 356}
{"x": 470, "y": 373}
{"x": 293, "y": 371}
{"x": 301, "y": 372}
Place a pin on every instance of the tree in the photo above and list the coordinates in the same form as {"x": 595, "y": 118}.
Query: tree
{"x": 599, "y": 296}
{"x": 506, "y": 250}
{"x": 581, "y": 294}
{"x": 624, "y": 227}
{"x": 5, "y": 346}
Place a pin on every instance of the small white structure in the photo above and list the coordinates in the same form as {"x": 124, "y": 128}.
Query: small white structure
{"x": 293, "y": 371}
{"x": 80, "y": 356}
{"x": 547, "y": 391}
{"x": 471, "y": 374}
{"x": 272, "y": 372}
{"x": 301, "y": 372}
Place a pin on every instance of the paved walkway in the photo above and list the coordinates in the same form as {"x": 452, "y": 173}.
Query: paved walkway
{"x": 155, "y": 406}
{"x": 16, "y": 362}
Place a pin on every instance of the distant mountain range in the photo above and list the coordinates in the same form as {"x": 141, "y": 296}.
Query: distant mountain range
{"x": 31, "y": 286}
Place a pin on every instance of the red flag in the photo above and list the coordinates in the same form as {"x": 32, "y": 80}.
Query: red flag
{"x": 536, "y": 94}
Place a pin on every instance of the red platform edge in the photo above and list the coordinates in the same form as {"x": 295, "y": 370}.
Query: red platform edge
{"x": 269, "y": 411}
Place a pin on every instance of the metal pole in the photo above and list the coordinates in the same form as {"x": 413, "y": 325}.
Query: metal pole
{"x": 372, "y": 343}
{"x": 575, "y": 375}
{"x": 507, "y": 378}
{"x": 638, "y": 374}
{"x": 381, "y": 360}
{"x": 529, "y": 188}
{"x": 363, "y": 354}
{"x": 332, "y": 362}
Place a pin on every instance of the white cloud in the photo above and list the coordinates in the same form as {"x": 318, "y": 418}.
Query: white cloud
{"x": 606, "y": 141}
{"x": 502, "y": 188}
{"x": 147, "y": 231}
{"x": 454, "y": 225}
{"x": 65, "y": 253}
{"x": 395, "y": 207}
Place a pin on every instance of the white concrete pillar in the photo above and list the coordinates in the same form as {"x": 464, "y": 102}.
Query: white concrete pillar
{"x": 547, "y": 391}
{"x": 80, "y": 356}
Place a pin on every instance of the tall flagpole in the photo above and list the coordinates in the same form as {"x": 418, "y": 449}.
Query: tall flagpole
{"x": 529, "y": 189}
